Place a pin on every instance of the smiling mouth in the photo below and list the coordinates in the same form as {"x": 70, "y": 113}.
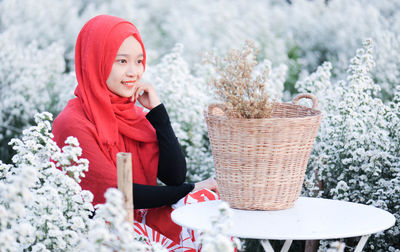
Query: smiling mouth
{"x": 128, "y": 83}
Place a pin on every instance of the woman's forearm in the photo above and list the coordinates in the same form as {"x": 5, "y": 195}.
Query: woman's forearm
{"x": 172, "y": 164}
{"x": 145, "y": 196}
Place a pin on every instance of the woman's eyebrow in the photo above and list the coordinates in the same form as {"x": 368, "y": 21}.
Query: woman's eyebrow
{"x": 127, "y": 55}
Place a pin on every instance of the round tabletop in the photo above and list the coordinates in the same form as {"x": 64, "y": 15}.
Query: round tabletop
{"x": 309, "y": 219}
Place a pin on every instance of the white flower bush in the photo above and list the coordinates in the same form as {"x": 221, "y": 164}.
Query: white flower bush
{"x": 14, "y": 196}
{"x": 43, "y": 208}
{"x": 43, "y": 21}
{"x": 321, "y": 30}
{"x": 274, "y": 84}
{"x": 108, "y": 231}
{"x": 357, "y": 149}
{"x": 387, "y": 70}
{"x": 304, "y": 33}
{"x": 356, "y": 155}
{"x": 31, "y": 80}
{"x": 219, "y": 25}
{"x": 308, "y": 32}
{"x": 52, "y": 210}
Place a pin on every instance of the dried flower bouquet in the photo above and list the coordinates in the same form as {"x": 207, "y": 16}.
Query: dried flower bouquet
{"x": 243, "y": 93}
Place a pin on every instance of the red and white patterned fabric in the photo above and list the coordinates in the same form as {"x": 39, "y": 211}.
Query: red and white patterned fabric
{"x": 152, "y": 236}
{"x": 188, "y": 237}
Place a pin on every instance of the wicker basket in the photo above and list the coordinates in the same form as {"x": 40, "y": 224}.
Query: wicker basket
{"x": 260, "y": 163}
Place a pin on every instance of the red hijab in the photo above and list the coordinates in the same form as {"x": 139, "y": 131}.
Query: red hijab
{"x": 121, "y": 126}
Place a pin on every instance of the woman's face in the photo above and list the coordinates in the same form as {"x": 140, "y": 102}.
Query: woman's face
{"x": 127, "y": 68}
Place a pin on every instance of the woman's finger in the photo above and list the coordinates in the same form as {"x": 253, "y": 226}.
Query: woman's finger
{"x": 133, "y": 99}
{"x": 137, "y": 92}
{"x": 140, "y": 90}
{"x": 143, "y": 87}
{"x": 135, "y": 88}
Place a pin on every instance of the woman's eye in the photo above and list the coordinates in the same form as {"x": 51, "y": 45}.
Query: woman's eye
{"x": 140, "y": 61}
{"x": 123, "y": 61}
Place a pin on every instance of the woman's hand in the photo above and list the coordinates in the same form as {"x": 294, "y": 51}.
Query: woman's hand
{"x": 146, "y": 94}
{"x": 209, "y": 183}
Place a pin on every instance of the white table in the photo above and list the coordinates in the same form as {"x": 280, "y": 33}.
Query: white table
{"x": 309, "y": 219}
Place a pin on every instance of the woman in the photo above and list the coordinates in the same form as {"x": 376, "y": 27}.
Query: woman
{"x": 110, "y": 59}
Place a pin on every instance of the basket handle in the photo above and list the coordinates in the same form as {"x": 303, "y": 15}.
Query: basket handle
{"x": 309, "y": 96}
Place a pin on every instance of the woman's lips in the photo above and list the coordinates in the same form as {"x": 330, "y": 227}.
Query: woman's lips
{"x": 128, "y": 83}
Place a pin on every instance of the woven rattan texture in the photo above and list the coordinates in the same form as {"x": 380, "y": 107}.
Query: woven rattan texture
{"x": 260, "y": 163}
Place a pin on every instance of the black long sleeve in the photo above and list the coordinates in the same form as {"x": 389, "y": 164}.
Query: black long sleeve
{"x": 145, "y": 196}
{"x": 171, "y": 166}
{"x": 172, "y": 163}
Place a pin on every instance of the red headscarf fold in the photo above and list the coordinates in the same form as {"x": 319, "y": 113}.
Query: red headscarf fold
{"x": 121, "y": 126}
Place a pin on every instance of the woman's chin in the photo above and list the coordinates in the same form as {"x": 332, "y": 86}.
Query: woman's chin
{"x": 123, "y": 94}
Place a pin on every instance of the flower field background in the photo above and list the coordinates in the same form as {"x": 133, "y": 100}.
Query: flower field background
{"x": 347, "y": 53}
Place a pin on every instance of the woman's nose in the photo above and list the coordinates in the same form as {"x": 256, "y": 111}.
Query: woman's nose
{"x": 132, "y": 70}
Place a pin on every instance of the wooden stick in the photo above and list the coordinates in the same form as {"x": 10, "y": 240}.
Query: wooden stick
{"x": 124, "y": 169}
